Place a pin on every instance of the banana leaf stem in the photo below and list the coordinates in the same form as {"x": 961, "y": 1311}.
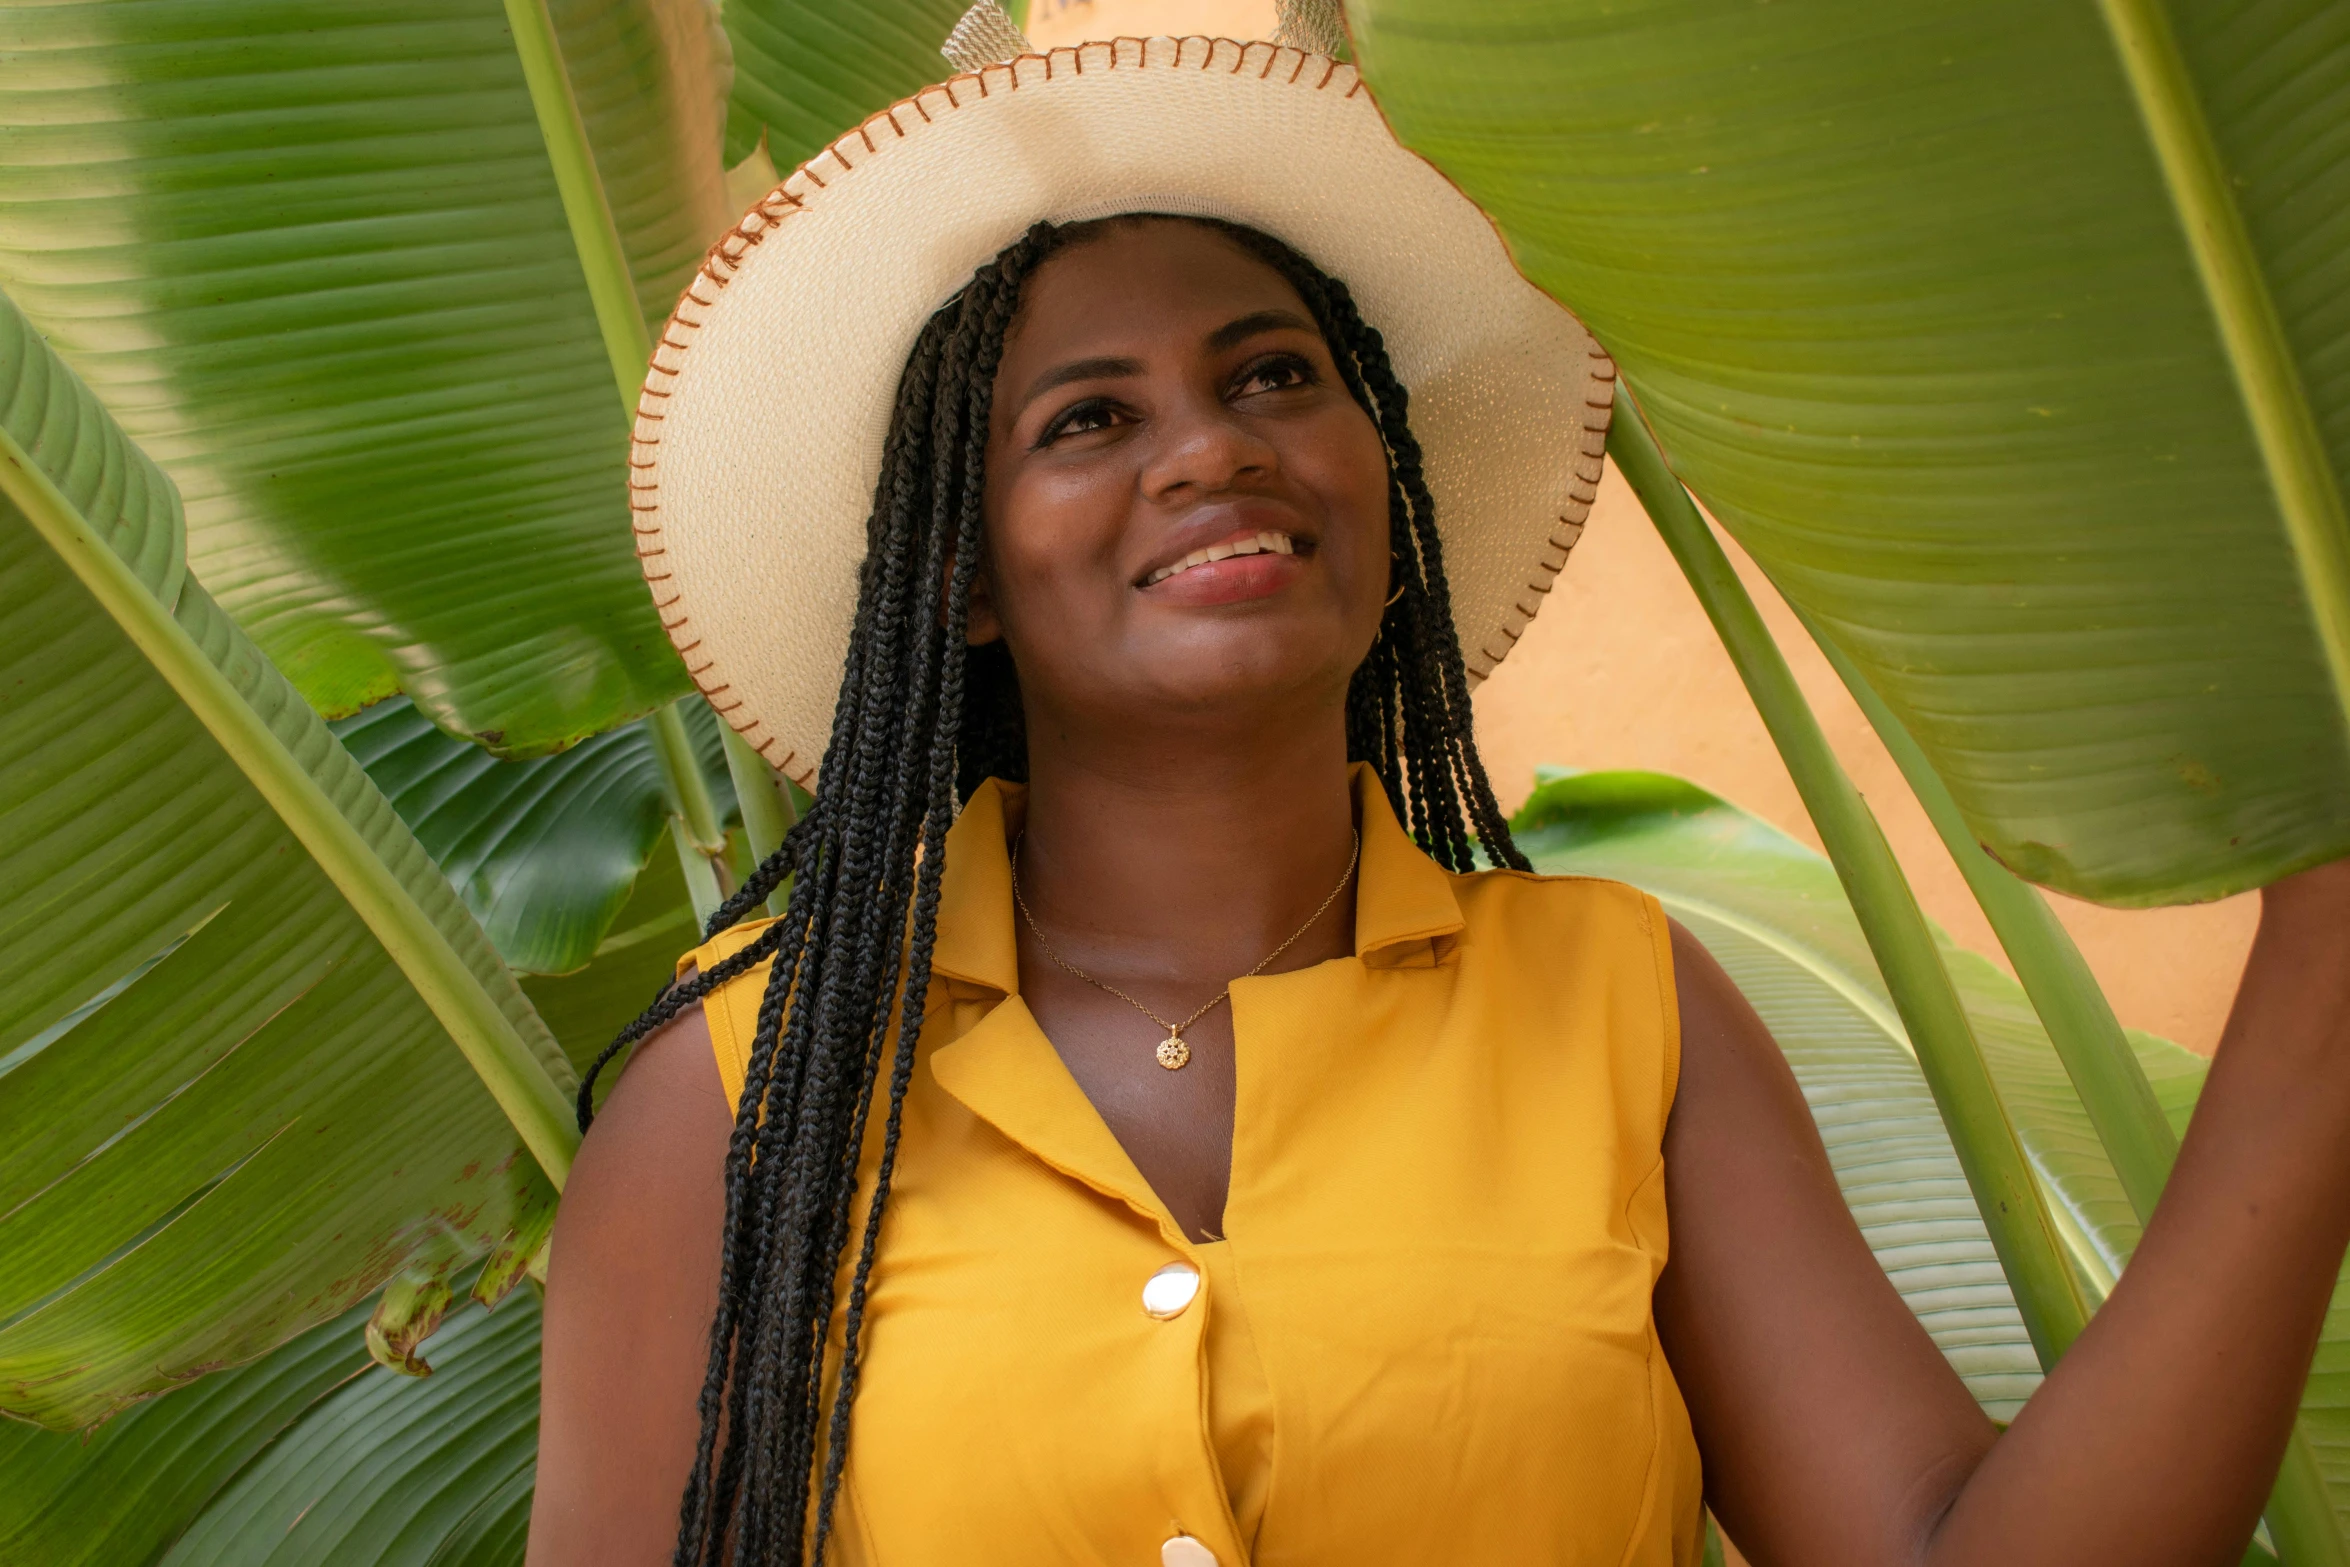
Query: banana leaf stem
{"x": 611, "y": 286}
{"x": 2080, "y": 1021}
{"x": 701, "y": 872}
{"x": 766, "y": 800}
{"x": 539, "y": 1110}
{"x": 693, "y": 821}
{"x": 2276, "y": 402}
{"x": 2046, "y": 1292}
{"x": 586, "y": 205}
{"x": 768, "y": 811}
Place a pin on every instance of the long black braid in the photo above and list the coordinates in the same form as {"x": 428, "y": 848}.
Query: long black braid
{"x": 921, "y": 720}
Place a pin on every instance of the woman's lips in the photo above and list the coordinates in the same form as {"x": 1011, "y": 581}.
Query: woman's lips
{"x": 1246, "y": 563}
{"x": 1229, "y": 581}
{"x": 1242, "y": 541}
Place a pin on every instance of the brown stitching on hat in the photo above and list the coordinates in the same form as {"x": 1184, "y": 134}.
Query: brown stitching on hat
{"x": 868, "y": 135}
{"x": 1356, "y": 88}
{"x": 1330, "y": 70}
{"x": 916, "y": 101}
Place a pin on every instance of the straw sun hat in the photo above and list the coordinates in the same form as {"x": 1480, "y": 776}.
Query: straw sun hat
{"x": 759, "y": 433}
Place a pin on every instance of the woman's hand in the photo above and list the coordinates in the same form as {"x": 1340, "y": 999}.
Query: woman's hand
{"x": 1833, "y": 1434}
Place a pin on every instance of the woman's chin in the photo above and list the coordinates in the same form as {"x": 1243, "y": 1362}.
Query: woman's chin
{"x": 1253, "y": 676}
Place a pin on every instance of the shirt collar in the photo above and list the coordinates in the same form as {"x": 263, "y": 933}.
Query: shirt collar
{"x": 1404, "y": 901}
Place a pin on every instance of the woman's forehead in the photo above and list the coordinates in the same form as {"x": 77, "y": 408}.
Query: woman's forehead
{"x": 1143, "y": 279}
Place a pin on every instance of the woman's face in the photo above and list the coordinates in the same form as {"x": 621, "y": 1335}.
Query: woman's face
{"x": 1165, "y": 398}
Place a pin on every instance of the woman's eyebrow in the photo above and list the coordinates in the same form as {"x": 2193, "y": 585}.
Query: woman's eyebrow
{"x": 1079, "y": 370}
{"x": 1248, "y": 326}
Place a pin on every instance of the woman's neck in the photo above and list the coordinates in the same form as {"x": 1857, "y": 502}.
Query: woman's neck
{"x": 1181, "y": 859}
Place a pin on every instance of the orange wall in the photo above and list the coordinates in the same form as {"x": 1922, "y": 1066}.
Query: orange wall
{"x": 1053, "y": 22}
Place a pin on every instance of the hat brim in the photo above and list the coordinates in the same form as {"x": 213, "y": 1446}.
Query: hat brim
{"x": 759, "y": 433}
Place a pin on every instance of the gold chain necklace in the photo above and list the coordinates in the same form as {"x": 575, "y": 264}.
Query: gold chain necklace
{"x": 1173, "y": 1053}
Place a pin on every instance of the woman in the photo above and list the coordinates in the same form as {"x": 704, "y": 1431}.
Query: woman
{"x": 1183, "y": 1151}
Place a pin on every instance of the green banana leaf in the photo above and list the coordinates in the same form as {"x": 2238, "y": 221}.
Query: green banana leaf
{"x": 630, "y": 966}
{"x": 545, "y": 853}
{"x": 1905, "y": 292}
{"x": 1771, "y": 911}
{"x": 245, "y": 1023}
{"x": 806, "y": 71}
{"x": 566, "y": 861}
{"x": 395, "y": 1472}
{"x": 315, "y": 261}
{"x": 309, "y": 1455}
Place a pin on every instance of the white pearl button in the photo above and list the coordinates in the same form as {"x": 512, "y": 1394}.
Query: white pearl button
{"x": 1164, "y": 1295}
{"x": 1184, "y": 1551}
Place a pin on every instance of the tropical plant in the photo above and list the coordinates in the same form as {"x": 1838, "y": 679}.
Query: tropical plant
{"x": 2006, "y": 342}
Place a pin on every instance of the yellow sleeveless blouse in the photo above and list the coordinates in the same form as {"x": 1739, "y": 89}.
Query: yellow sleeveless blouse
{"x": 1426, "y": 1334}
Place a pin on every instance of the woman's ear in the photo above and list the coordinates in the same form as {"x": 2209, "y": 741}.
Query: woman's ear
{"x": 981, "y": 624}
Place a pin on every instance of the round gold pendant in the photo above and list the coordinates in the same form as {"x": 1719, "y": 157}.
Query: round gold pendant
{"x": 1173, "y": 1052}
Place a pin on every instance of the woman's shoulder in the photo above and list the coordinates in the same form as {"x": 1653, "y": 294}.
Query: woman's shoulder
{"x": 1504, "y": 895}
{"x": 730, "y": 1012}
{"x": 717, "y": 949}
{"x": 1568, "y": 930}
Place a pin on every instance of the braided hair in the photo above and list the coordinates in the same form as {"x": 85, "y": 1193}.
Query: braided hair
{"x": 921, "y": 720}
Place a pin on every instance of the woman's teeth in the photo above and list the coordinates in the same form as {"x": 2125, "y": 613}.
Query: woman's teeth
{"x": 1268, "y": 542}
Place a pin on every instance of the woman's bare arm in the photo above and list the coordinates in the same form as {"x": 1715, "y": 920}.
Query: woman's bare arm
{"x": 1834, "y": 1434}
{"x": 633, "y": 1283}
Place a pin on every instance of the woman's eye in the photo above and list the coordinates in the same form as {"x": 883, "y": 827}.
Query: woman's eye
{"x": 1078, "y": 420}
{"x": 1276, "y": 373}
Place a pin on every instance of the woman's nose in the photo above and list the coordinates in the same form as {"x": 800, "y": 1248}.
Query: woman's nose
{"x": 1203, "y": 445}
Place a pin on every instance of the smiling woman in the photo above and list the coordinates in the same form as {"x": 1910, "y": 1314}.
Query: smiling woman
{"x": 1169, "y": 1121}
